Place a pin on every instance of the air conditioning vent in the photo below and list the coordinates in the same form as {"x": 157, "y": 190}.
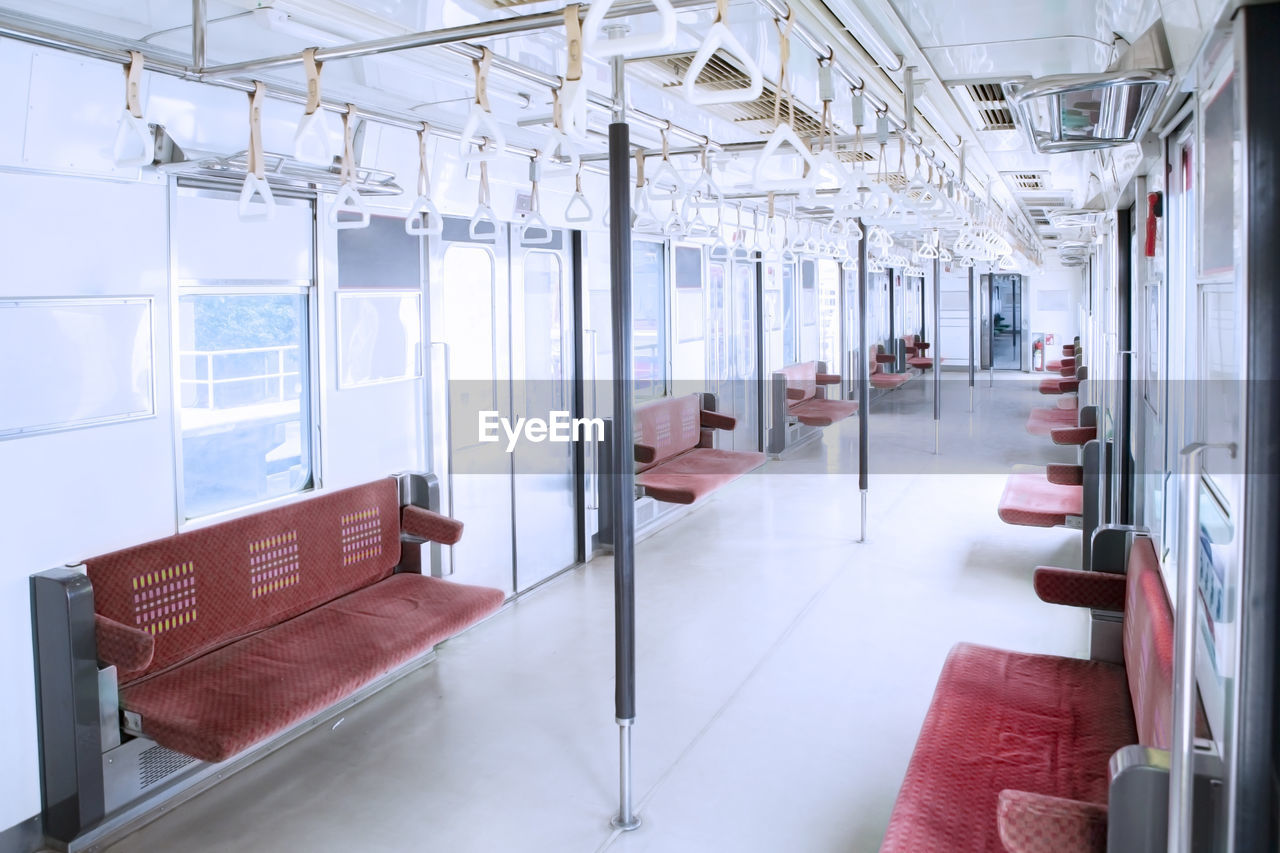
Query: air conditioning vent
{"x": 993, "y": 109}
{"x": 1026, "y": 181}
{"x": 157, "y": 763}
{"x": 722, "y": 72}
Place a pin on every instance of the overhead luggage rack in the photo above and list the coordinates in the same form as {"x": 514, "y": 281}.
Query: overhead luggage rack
{"x": 283, "y": 170}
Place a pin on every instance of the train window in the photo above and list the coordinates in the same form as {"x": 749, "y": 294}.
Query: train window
{"x": 648, "y": 320}
{"x": 245, "y": 392}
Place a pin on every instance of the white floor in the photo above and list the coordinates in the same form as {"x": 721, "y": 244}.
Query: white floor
{"x": 783, "y": 669}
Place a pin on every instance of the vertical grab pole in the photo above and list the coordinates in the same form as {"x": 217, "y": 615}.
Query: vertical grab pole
{"x": 199, "y": 20}
{"x": 937, "y": 357}
{"x": 973, "y": 335}
{"x": 1182, "y": 750}
{"x": 623, "y": 485}
{"x": 864, "y": 379}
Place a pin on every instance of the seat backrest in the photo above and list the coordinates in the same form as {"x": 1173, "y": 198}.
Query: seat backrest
{"x": 200, "y": 590}
{"x": 1148, "y": 645}
{"x": 671, "y": 425}
{"x": 803, "y": 377}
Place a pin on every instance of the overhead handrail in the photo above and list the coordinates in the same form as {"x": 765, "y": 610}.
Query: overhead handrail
{"x": 480, "y": 123}
{"x": 311, "y": 141}
{"x": 599, "y": 45}
{"x": 135, "y": 144}
{"x": 424, "y": 219}
{"x": 578, "y": 209}
{"x": 257, "y": 204}
{"x": 483, "y": 227}
{"x": 534, "y": 223}
{"x": 348, "y": 203}
{"x": 720, "y": 37}
{"x": 784, "y": 133}
{"x": 572, "y": 95}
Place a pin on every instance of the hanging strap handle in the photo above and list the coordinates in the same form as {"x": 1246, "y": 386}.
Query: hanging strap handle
{"x": 311, "y": 67}
{"x": 573, "y": 38}
{"x": 133, "y": 84}
{"x": 256, "y": 166}
{"x": 639, "y": 168}
{"x": 424, "y": 168}
{"x": 256, "y": 201}
{"x": 784, "y": 59}
{"x": 349, "y": 145}
{"x": 481, "y": 68}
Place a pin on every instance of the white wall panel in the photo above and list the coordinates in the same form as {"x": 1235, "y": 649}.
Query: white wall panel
{"x": 71, "y": 495}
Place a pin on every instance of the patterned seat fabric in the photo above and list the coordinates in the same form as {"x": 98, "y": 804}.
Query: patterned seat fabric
{"x": 1014, "y": 751}
{"x": 244, "y": 616}
{"x": 1034, "y": 823}
{"x": 1004, "y": 720}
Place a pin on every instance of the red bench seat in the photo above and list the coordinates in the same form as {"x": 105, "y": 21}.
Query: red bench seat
{"x": 880, "y": 378}
{"x": 803, "y": 402}
{"x": 228, "y": 634}
{"x": 1007, "y": 721}
{"x": 1030, "y": 500}
{"x": 231, "y": 698}
{"x": 676, "y": 462}
{"x": 1014, "y": 753}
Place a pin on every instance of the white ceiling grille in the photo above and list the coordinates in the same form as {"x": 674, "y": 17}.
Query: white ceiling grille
{"x": 993, "y": 109}
{"x": 722, "y": 72}
{"x": 1026, "y": 181}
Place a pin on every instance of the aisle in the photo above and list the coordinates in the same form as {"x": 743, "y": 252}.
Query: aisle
{"x": 783, "y": 669}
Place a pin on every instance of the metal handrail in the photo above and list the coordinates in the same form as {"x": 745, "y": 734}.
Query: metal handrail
{"x": 1182, "y": 749}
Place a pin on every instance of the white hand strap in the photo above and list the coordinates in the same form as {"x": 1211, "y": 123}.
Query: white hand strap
{"x": 256, "y": 201}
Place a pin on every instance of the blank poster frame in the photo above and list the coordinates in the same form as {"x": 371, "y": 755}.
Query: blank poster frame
{"x": 365, "y": 294}
{"x": 126, "y": 404}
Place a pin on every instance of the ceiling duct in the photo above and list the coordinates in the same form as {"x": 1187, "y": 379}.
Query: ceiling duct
{"x": 990, "y": 105}
{"x": 1084, "y": 112}
{"x": 723, "y": 72}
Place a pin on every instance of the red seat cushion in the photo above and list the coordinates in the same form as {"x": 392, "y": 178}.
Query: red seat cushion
{"x": 216, "y": 705}
{"x": 889, "y": 380}
{"x": 817, "y": 411}
{"x": 1029, "y": 499}
{"x": 920, "y": 362}
{"x": 699, "y": 472}
{"x": 1042, "y": 420}
{"x": 1005, "y": 720}
{"x": 1058, "y": 385}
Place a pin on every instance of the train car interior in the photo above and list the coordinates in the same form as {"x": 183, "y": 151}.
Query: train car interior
{"x": 643, "y": 426}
